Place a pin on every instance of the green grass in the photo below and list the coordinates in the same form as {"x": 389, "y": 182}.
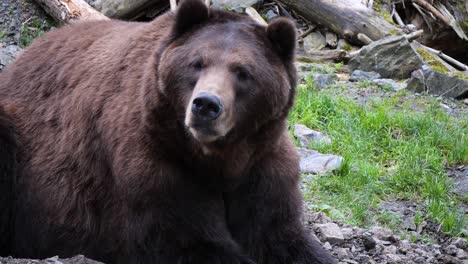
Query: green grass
{"x": 391, "y": 150}
{"x": 33, "y": 29}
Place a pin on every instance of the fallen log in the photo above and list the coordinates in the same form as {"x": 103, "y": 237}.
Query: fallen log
{"x": 322, "y": 55}
{"x": 70, "y": 11}
{"x": 347, "y": 18}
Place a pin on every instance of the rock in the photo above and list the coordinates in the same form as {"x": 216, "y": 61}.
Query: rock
{"x": 316, "y": 218}
{"x": 408, "y": 223}
{"x": 393, "y": 259}
{"x": 451, "y": 250}
{"x": 343, "y": 77}
{"x": 349, "y": 261}
{"x": 327, "y": 246}
{"x": 271, "y": 14}
{"x": 8, "y": 55}
{"x": 404, "y": 247}
{"x": 392, "y": 57}
{"x": 441, "y": 84}
{"x": 306, "y": 136}
{"x": 390, "y": 250}
{"x": 314, "y": 41}
{"x": 80, "y": 259}
{"x": 368, "y": 241}
{"x": 459, "y": 243}
{"x": 330, "y": 232}
{"x": 320, "y": 163}
{"x": 382, "y": 233}
{"x": 417, "y": 83}
{"x": 341, "y": 253}
{"x": 348, "y": 233}
{"x": 462, "y": 254}
{"x": 331, "y": 39}
{"x": 389, "y": 84}
{"x": 235, "y": 5}
{"x": 358, "y": 75}
{"x": 322, "y": 81}
{"x": 305, "y": 152}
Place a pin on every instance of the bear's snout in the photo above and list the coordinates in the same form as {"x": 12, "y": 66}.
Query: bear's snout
{"x": 206, "y": 107}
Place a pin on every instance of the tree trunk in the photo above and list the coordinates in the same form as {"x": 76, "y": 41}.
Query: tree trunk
{"x": 345, "y": 17}
{"x": 70, "y": 11}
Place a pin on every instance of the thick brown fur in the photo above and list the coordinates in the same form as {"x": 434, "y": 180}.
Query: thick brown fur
{"x": 8, "y": 170}
{"x": 108, "y": 168}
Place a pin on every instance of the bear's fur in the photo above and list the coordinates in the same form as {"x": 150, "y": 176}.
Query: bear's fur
{"x": 114, "y": 163}
{"x": 8, "y": 167}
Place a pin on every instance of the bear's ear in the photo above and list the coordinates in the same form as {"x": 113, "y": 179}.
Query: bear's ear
{"x": 188, "y": 14}
{"x": 282, "y": 33}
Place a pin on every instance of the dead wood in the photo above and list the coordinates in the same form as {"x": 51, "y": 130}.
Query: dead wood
{"x": 347, "y": 18}
{"x": 70, "y": 11}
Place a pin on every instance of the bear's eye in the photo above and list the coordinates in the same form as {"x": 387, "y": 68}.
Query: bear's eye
{"x": 198, "y": 65}
{"x": 242, "y": 74}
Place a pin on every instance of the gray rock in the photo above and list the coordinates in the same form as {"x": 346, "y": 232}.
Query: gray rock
{"x": 316, "y": 218}
{"x": 322, "y": 81}
{"x": 327, "y": 246}
{"x": 382, "y": 233}
{"x": 392, "y": 57}
{"x": 320, "y": 163}
{"x": 235, "y": 5}
{"x": 306, "y": 136}
{"x": 314, "y": 41}
{"x": 368, "y": 241}
{"x": 80, "y": 259}
{"x": 441, "y": 84}
{"x": 390, "y": 250}
{"x": 451, "y": 250}
{"x": 271, "y": 14}
{"x": 331, "y": 39}
{"x": 8, "y": 55}
{"x": 408, "y": 223}
{"x": 305, "y": 152}
{"x": 393, "y": 259}
{"x": 390, "y": 84}
{"x": 462, "y": 254}
{"x": 341, "y": 253}
{"x": 348, "y": 233}
{"x": 330, "y": 232}
{"x": 417, "y": 82}
{"x": 459, "y": 243}
{"x": 358, "y": 75}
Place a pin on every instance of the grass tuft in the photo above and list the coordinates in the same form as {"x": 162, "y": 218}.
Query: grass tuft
{"x": 391, "y": 150}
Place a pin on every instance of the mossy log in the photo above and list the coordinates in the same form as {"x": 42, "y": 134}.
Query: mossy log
{"x": 347, "y": 18}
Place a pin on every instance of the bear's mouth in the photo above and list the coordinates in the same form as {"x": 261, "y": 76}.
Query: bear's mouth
{"x": 203, "y": 133}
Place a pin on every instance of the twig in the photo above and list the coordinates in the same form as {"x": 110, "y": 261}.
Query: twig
{"x": 173, "y": 4}
{"x": 27, "y": 20}
{"x": 398, "y": 18}
{"x": 459, "y": 65}
{"x": 419, "y": 9}
{"x": 433, "y": 10}
{"x": 307, "y": 32}
{"x": 448, "y": 91}
{"x": 364, "y": 38}
{"x": 255, "y": 16}
{"x": 414, "y": 35}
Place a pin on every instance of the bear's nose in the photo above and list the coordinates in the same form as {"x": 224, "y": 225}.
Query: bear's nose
{"x": 206, "y": 106}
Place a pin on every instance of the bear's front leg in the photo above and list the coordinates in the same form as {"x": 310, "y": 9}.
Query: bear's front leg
{"x": 264, "y": 212}
{"x": 186, "y": 225}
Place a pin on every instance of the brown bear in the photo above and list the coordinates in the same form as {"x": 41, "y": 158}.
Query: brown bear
{"x": 162, "y": 142}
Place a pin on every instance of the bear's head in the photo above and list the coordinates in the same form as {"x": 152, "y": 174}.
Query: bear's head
{"x": 225, "y": 75}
